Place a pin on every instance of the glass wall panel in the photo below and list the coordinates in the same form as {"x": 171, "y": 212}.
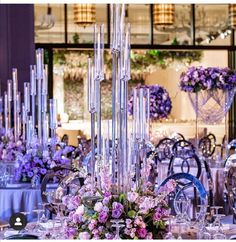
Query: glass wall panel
{"x": 138, "y": 15}
{"x": 173, "y": 26}
{"x": 49, "y": 23}
{"x": 212, "y": 26}
{"x": 81, "y": 34}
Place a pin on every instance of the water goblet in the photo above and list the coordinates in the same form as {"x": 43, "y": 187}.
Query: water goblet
{"x": 117, "y": 223}
{"x": 169, "y": 234}
{"x": 43, "y": 218}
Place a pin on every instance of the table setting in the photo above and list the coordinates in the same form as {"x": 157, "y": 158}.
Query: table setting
{"x": 122, "y": 186}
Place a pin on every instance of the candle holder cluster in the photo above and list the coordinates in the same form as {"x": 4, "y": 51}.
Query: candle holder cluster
{"x": 30, "y": 118}
{"x": 127, "y": 152}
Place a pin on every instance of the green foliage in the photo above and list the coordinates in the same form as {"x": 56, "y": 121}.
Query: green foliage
{"x": 141, "y": 60}
{"x": 76, "y": 38}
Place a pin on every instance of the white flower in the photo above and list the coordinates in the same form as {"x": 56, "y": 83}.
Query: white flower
{"x": 132, "y": 196}
{"x": 84, "y": 235}
{"x": 98, "y": 207}
{"x": 80, "y": 210}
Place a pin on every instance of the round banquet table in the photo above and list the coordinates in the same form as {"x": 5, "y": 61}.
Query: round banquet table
{"x": 21, "y": 198}
{"x": 187, "y": 232}
{"x": 217, "y": 177}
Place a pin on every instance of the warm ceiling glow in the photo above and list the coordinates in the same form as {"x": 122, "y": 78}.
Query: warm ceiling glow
{"x": 232, "y": 15}
{"x": 84, "y": 14}
{"x": 163, "y": 14}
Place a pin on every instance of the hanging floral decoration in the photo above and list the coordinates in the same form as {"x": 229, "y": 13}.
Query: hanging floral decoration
{"x": 160, "y": 102}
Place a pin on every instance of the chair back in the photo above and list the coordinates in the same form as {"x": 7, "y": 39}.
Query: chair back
{"x": 163, "y": 149}
{"x": 184, "y": 159}
{"x": 182, "y": 188}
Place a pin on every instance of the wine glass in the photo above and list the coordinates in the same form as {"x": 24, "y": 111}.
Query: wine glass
{"x": 203, "y": 233}
{"x": 182, "y": 206}
{"x": 117, "y": 223}
{"x": 39, "y": 210}
{"x": 169, "y": 235}
{"x": 43, "y": 218}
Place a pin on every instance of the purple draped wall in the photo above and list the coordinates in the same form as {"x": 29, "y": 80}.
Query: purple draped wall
{"x": 16, "y": 42}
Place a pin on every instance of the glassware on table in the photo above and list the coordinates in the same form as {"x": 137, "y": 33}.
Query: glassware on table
{"x": 38, "y": 227}
{"x": 202, "y": 233}
{"x": 117, "y": 223}
{"x": 43, "y": 218}
{"x": 169, "y": 234}
{"x": 182, "y": 217}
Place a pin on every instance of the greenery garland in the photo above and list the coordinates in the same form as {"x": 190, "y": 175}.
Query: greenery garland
{"x": 141, "y": 60}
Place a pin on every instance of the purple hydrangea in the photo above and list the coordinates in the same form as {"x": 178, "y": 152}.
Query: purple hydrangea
{"x": 200, "y": 78}
{"x": 160, "y": 102}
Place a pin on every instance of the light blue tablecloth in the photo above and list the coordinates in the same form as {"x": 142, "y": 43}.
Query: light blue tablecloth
{"x": 22, "y": 199}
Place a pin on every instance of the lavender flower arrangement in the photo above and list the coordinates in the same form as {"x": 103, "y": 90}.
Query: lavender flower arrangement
{"x": 160, "y": 102}
{"x": 200, "y": 78}
{"x": 143, "y": 212}
{"x": 38, "y": 161}
{"x": 9, "y": 149}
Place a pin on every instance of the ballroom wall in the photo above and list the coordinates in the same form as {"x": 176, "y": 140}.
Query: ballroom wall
{"x": 169, "y": 78}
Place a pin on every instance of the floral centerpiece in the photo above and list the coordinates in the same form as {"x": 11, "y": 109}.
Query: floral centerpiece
{"x": 160, "y": 102}
{"x": 139, "y": 212}
{"x": 210, "y": 78}
{"x": 9, "y": 149}
{"x": 209, "y": 88}
{"x": 38, "y": 161}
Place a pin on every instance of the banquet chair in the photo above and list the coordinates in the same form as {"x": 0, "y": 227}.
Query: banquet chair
{"x": 185, "y": 182}
{"x": 67, "y": 183}
{"x": 230, "y": 185}
{"x": 177, "y": 136}
{"x": 207, "y": 145}
{"x": 185, "y": 159}
{"x": 163, "y": 150}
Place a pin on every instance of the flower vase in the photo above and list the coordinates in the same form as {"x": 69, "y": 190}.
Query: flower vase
{"x": 35, "y": 181}
{"x": 211, "y": 106}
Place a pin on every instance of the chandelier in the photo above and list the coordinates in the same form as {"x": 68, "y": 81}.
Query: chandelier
{"x": 232, "y": 16}
{"x": 47, "y": 20}
{"x": 163, "y": 15}
{"x": 84, "y": 14}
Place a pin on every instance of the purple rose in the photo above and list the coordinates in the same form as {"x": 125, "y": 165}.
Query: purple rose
{"x": 109, "y": 236}
{"x": 70, "y": 232}
{"x": 117, "y": 209}
{"x": 102, "y": 217}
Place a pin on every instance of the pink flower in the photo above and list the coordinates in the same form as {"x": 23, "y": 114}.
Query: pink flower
{"x": 149, "y": 236}
{"x": 98, "y": 207}
{"x": 84, "y": 236}
{"x": 142, "y": 233}
{"x": 127, "y": 231}
{"x": 76, "y": 218}
{"x": 132, "y": 196}
{"x": 91, "y": 226}
{"x": 132, "y": 235}
{"x": 80, "y": 210}
{"x": 93, "y": 221}
{"x": 95, "y": 232}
